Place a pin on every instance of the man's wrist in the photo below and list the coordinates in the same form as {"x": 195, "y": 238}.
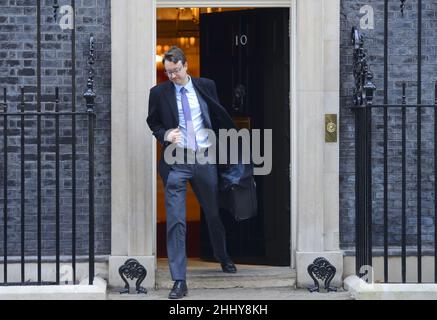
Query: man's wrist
{"x": 166, "y": 136}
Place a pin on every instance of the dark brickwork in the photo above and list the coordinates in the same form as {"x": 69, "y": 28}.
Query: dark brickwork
{"x": 18, "y": 68}
{"x": 402, "y": 68}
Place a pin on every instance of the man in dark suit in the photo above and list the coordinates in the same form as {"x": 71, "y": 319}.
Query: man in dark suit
{"x": 179, "y": 112}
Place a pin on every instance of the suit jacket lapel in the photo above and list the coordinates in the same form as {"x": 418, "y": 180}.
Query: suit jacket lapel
{"x": 203, "y": 104}
{"x": 204, "y": 109}
{"x": 170, "y": 94}
{"x": 218, "y": 112}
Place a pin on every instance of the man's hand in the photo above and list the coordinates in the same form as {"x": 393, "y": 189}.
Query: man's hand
{"x": 174, "y": 136}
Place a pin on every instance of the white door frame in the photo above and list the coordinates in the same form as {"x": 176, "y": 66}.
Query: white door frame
{"x": 314, "y": 90}
{"x": 261, "y": 4}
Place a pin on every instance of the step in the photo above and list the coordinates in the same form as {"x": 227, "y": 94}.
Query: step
{"x": 206, "y": 275}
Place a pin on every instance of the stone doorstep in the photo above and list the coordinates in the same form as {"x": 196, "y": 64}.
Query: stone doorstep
{"x": 360, "y": 290}
{"x": 251, "y": 277}
{"x": 83, "y": 291}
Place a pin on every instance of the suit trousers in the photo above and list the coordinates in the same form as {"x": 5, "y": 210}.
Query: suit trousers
{"x": 204, "y": 182}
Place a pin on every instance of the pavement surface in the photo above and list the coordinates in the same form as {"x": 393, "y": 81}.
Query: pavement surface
{"x": 282, "y": 293}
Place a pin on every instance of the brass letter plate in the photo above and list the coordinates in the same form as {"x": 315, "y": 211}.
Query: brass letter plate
{"x": 331, "y": 128}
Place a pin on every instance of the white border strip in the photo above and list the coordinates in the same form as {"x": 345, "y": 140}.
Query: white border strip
{"x": 360, "y": 290}
{"x": 83, "y": 291}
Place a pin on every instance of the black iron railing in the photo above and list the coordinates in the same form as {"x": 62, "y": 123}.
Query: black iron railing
{"x": 363, "y": 97}
{"x": 35, "y": 118}
{"x": 366, "y": 113}
{"x": 88, "y": 116}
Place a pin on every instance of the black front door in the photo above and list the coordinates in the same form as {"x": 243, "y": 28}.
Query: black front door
{"x": 247, "y": 54}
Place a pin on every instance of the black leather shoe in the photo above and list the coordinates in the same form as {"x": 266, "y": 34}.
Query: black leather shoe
{"x": 179, "y": 290}
{"x": 229, "y": 267}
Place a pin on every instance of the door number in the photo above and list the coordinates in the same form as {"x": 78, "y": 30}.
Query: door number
{"x": 241, "y": 40}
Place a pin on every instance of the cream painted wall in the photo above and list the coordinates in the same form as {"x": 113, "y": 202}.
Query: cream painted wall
{"x": 317, "y": 93}
{"x": 133, "y": 216}
{"x": 133, "y": 147}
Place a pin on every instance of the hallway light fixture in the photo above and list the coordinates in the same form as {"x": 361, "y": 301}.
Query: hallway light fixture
{"x": 195, "y": 13}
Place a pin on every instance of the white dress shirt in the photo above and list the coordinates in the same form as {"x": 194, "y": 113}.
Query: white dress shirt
{"x": 196, "y": 116}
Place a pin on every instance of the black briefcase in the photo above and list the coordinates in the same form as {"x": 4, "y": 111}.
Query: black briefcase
{"x": 241, "y": 201}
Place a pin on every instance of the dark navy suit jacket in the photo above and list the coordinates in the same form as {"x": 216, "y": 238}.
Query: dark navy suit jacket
{"x": 163, "y": 116}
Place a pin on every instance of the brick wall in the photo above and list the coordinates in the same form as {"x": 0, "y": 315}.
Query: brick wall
{"x": 402, "y": 68}
{"x": 18, "y": 68}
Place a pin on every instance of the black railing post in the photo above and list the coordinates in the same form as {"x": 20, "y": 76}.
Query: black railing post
{"x": 386, "y": 34}
{"x": 5, "y": 188}
{"x": 91, "y": 118}
{"x": 404, "y": 187}
{"x": 369, "y": 89}
{"x": 90, "y": 96}
{"x": 39, "y": 109}
{"x": 363, "y": 182}
{"x": 23, "y": 178}
{"x": 73, "y": 129}
{"x": 419, "y": 141}
{"x": 360, "y": 186}
{"x": 402, "y": 6}
{"x": 58, "y": 209}
{"x": 363, "y": 99}
{"x": 435, "y": 183}
{"x": 55, "y": 9}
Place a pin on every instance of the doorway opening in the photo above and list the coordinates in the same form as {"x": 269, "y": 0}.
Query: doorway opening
{"x": 246, "y": 52}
